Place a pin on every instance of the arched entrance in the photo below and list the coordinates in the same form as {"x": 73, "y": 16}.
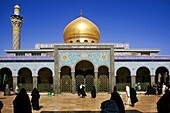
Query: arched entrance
{"x": 45, "y": 79}
{"x": 162, "y": 75}
{"x": 103, "y": 81}
{"x": 84, "y": 72}
{"x": 123, "y": 78}
{"x": 65, "y": 80}
{"x": 5, "y": 78}
{"x": 143, "y": 77}
{"x": 25, "y": 79}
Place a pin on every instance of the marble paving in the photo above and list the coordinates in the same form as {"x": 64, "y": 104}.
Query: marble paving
{"x": 72, "y": 103}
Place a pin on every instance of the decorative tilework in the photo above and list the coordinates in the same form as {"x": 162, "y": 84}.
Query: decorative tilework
{"x": 97, "y": 57}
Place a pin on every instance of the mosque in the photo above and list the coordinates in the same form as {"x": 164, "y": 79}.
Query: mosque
{"x": 81, "y": 59}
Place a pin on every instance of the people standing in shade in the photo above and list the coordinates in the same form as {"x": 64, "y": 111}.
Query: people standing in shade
{"x": 118, "y": 100}
{"x": 35, "y": 99}
{"x": 138, "y": 86}
{"x": 16, "y": 90}
{"x": 127, "y": 95}
{"x": 83, "y": 93}
{"x": 93, "y": 92}
{"x": 7, "y": 90}
{"x": 22, "y": 102}
{"x": 163, "y": 88}
{"x": 150, "y": 90}
{"x": 159, "y": 88}
{"x": 163, "y": 104}
{"x": 133, "y": 96}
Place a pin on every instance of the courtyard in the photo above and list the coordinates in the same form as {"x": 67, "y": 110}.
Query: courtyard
{"x": 72, "y": 103}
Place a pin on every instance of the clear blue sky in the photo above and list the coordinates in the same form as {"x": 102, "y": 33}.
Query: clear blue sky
{"x": 141, "y": 23}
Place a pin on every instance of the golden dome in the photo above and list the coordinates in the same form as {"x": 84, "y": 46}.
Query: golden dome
{"x": 81, "y": 30}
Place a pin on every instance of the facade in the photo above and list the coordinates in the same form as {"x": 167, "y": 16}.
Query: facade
{"x": 81, "y": 59}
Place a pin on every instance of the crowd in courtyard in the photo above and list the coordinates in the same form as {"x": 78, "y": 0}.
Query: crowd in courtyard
{"x": 23, "y": 104}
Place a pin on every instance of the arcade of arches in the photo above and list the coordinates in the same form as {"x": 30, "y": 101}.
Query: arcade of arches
{"x": 84, "y": 74}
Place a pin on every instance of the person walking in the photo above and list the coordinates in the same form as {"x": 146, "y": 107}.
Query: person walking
{"x": 118, "y": 100}
{"x": 22, "y": 102}
{"x": 35, "y": 99}
{"x": 127, "y": 95}
{"x": 93, "y": 92}
{"x": 83, "y": 93}
{"x": 133, "y": 96}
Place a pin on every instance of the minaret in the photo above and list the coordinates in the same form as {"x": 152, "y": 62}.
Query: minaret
{"x": 16, "y": 21}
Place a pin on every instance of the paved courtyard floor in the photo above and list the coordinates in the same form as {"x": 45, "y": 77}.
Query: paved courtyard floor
{"x": 72, "y": 103}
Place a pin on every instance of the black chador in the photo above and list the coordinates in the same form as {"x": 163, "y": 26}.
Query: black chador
{"x": 35, "y": 99}
{"x": 93, "y": 92}
{"x": 22, "y": 102}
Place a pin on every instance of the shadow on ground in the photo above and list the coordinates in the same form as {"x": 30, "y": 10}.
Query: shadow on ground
{"x": 127, "y": 111}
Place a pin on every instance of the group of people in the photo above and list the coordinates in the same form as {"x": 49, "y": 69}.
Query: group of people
{"x": 81, "y": 91}
{"x": 115, "y": 104}
{"x": 22, "y": 103}
{"x": 156, "y": 89}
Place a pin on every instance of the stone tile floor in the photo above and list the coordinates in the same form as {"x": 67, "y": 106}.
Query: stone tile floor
{"x": 71, "y": 103}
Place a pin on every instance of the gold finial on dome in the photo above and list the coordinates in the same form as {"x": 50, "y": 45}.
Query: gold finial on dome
{"x": 81, "y": 30}
{"x": 81, "y": 14}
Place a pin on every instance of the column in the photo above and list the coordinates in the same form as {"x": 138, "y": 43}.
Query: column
{"x": 133, "y": 81}
{"x": 35, "y": 82}
{"x": 110, "y": 82}
{"x": 95, "y": 81}
{"x": 57, "y": 83}
{"x": 14, "y": 82}
{"x": 114, "y": 81}
{"x": 73, "y": 82}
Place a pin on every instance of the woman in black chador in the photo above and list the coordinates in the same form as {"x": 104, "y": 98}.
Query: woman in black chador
{"x": 93, "y": 92}
{"x": 133, "y": 96}
{"x": 22, "y": 102}
{"x": 35, "y": 99}
{"x": 118, "y": 100}
{"x": 163, "y": 104}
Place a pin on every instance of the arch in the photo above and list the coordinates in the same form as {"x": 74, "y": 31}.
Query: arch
{"x": 65, "y": 70}
{"x": 103, "y": 82}
{"x": 85, "y": 41}
{"x": 5, "y": 78}
{"x": 143, "y": 77}
{"x": 45, "y": 79}
{"x": 84, "y": 72}
{"x": 123, "y": 78}
{"x": 65, "y": 79}
{"x": 25, "y": 79}
{"x": 162, "y": 75}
